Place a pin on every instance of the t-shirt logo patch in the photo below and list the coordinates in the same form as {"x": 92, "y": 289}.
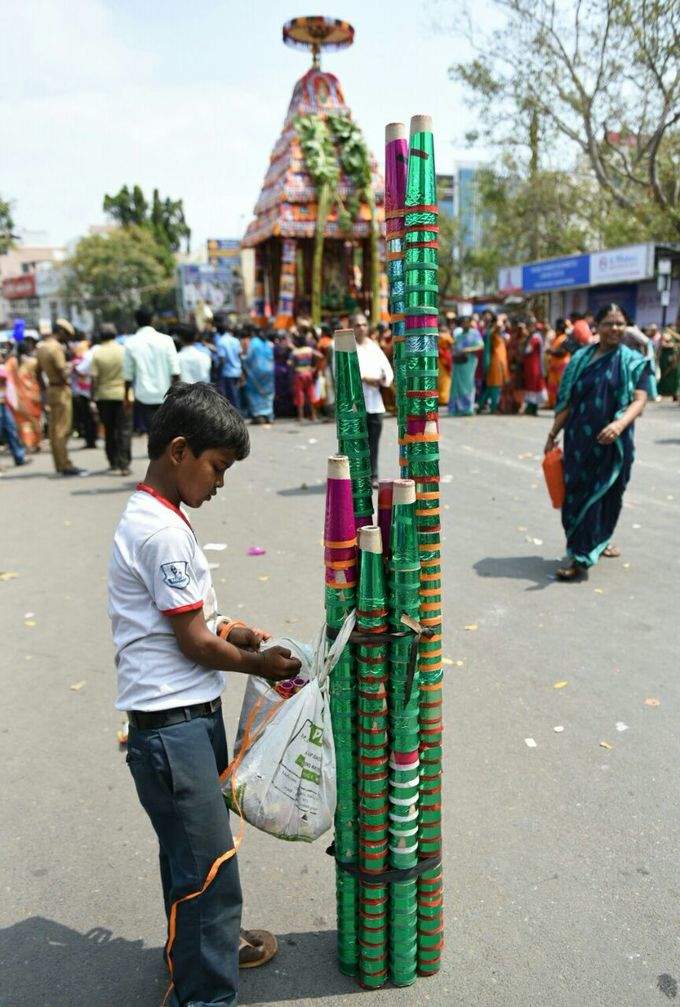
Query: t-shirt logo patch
{"x": 175, "y": 574}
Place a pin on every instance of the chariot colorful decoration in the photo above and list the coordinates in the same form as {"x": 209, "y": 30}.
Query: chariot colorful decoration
{"x": 316, "y": 231}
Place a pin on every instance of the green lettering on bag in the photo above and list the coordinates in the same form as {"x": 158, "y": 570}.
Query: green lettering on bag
{"x": 315, "y": 735}
{"x": 309, "y": 774}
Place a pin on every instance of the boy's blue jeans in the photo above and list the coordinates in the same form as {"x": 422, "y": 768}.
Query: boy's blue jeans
{"x": 176, "y": 772}
{"x": 9, "y": 428}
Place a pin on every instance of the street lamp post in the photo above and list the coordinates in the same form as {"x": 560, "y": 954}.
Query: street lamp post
{"x": 663, "y": 285}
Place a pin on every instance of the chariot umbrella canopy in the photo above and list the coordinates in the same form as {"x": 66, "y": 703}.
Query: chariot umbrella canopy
{"x": 316, "y": 231}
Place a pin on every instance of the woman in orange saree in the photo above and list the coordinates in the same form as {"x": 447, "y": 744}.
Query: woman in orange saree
{"x": 498, "y": 373}
{"x": 559, "y": 357}
{"x": 445, "y": 365}
{"x": 27, "y": 400}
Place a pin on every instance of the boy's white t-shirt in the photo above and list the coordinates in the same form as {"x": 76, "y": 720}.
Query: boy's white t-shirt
{"x": 158, "y": 570}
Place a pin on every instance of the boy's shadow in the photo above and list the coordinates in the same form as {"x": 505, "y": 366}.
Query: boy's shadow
{"x": 44, "y": 964}
{"x": 533, "y": 568}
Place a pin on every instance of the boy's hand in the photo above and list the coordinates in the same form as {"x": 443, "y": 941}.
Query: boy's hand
{"x": 278, "y": 665}
{"x": 248, "y": 639}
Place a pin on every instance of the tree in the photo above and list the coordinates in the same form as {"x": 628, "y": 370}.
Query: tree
{"x": 449, "y": 257}
{"x": 6, "y": 226}
{"x": 598, "y": 79}
{"x": 164, "y": 217}
{"x": 110, "y": 274}
{"x": 534, "y": 215}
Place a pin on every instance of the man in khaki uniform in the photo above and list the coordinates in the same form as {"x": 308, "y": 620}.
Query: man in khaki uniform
{"x": 53, "y": 369}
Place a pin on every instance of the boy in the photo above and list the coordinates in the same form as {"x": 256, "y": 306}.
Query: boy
{"x": 171, "y": 650}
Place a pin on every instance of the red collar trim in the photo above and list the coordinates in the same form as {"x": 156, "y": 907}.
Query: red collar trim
{"x": 145, "y": 488}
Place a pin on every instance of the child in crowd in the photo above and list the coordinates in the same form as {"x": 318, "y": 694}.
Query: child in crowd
{"x": 172, "y": 648}
{"x": 303, "y": 359}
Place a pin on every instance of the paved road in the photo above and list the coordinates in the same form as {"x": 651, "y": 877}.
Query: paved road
{"x": 561, "y": 860}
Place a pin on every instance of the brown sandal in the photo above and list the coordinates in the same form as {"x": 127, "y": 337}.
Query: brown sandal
{"x": 257, "y": 947}
{"x": 611, "y": 552}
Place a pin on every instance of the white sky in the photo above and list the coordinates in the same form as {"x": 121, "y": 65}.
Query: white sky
{"x": 191, "y": 98}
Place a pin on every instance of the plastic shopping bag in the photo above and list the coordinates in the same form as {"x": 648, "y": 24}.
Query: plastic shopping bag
{"x": 282, "y": 777}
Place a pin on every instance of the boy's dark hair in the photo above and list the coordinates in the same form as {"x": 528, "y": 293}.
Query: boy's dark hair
{"x": 143, "y": 316}
{"x": 203, "y": 417}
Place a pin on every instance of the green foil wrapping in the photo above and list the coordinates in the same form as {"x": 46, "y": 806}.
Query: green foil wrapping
{"x": 352, "y": 429}
{"x": 404, "y": 779}
{"x": 372, "y": 745}
{"x": 422, "y": 453}
{"x": 340, "y": 601}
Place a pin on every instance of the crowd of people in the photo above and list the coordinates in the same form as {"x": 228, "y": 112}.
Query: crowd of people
{"x": 494, "y": 363}
{"x": 57, "y": 382}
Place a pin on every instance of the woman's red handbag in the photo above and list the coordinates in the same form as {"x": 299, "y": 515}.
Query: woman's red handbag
{"x": 553, "y": 470}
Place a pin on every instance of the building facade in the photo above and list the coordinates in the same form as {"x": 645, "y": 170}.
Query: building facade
{"x": 628, "y": 276}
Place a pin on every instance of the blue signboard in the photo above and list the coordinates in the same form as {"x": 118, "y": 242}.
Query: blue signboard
{"x": 556, "y": 274}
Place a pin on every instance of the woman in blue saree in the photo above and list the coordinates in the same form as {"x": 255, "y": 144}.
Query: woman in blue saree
{"x": 603, "y": 391}
{"x": 468, "y": 344}
{"x": 259, "y": 367}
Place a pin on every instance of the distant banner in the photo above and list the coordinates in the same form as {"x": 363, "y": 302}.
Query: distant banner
{"x": 214, "y": 285}
{"x": 220, "y": 249}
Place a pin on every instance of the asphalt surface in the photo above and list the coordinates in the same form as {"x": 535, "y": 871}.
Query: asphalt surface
{"x": 561, "y": 862}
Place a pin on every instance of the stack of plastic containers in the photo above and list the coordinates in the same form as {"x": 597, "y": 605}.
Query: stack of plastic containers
{"x": 396, "y": 163}
{"x": 350, "y": 418}
{"x": 385, "y": 515}
{"x": 421, "y": 442}
{"x": 404, "y": 584}
{"x": 340, "y": 554}
{"x": 386, "y": 701}
{"x": 373, "y": 754}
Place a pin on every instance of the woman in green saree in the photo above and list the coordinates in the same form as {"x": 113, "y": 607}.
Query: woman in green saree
{"x": 604, "y": 389}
